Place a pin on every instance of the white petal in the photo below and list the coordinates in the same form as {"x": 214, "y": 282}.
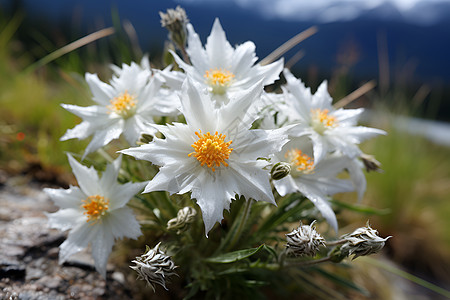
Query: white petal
{"x": 101, "y": 91}
{"x": 65, "y": 219}
{"x": 109, "y": 177}
{"x": 197, "y": 54}
{"x": 322, "y": 99}
{"x": 218, "y": 48}
{"x": 101, "y": 248}
{"x": 89, "y": 113}
{"x": 87, "y": 178}
{"x": 320, "y": 202}
{"x": 80, "y": 131}
{"x": 78, "y": 239}
{"x": 104, "y": 136}
{"x": 66, "y": 198}
{"x": 243, "y": 59}
{"x": 120, "y": 194}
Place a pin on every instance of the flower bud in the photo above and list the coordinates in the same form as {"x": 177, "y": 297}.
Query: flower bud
{"x": 280, "y": 170}
{"x": 362, "y": 241}
{"x": 154, "y": 267}
{"x": 304, "y": 240}
{"x": 185, "y": 216}
{"x": 370, "y": 163}
{"x": 175, "y": 21}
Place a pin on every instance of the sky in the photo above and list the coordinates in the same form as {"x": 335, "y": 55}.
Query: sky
{"x": 417, "y": 11}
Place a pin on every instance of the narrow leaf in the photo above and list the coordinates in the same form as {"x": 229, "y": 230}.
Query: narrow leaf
{"x": 234, "y": 256}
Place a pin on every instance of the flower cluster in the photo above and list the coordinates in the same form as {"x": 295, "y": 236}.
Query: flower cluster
{"x": 214, "y": 133}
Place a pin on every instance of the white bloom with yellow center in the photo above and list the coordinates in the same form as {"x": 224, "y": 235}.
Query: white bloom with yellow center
{"x": 316, "y": 181}
{"x": 132, "y": 99}
{"x": 95, "y": 212}
{"x": 215, "y": 155}
{"x": 225, "y": 71}
{"x": 330, "y": 129}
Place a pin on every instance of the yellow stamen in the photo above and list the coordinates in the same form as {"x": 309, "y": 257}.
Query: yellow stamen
{"x": 322, "y": 121}
{"x": 301, "y": 162}
{"x": 123, "y": 105}
{"x": 211, "y": 150}
{"x": 95, "y": 207}
{"x": 218, "y": 79}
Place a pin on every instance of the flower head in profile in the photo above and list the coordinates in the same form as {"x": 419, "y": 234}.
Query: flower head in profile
{"x": 330, "y": 129}
{"x": 225, "y": 71}
{"x": 154, "y": 266}
{"x": 215, "y": 155}
{"x": 133, "y": 98}
{"x": 95, "y": 212}
{"x": 316, "y": 181}
{"x": 363, "y": 241}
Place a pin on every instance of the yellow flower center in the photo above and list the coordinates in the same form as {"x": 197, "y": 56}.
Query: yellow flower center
{"x": 219, "y": 79}
{"x": 123, "y": 105}
{"x": 211, "y": 150}
{"x": 321, "y": 121}
{"x": 300, "y": 162}
{"x": 95, "y": 207}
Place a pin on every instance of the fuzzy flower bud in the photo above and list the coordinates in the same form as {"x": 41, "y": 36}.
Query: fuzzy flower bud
{"x": 175, "y": 21}
{"x": 154, "y": 267}
{"x": 304, "y": 240}
{"x": 280, "y": 170}
{"x": 362, "y": 241}
{"x": 185, "y": 216}
{"x": 370, "y": 163}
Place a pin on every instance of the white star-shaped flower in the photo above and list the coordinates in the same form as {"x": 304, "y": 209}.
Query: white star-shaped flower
{"x": 132, "y": 99}
{"x": 224, "y": 70}
{"x": 95, "y": 212}
{"x": 316, "y": 181}
{"x": 330, "y": 129}
{"x": 215, "y": 155}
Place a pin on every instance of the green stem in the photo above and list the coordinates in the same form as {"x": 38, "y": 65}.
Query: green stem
{"x": 308, "y": 262}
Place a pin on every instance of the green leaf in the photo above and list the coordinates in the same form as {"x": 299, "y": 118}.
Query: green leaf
{"x": 234, "y": 256}
{"x": 361, "y": 208}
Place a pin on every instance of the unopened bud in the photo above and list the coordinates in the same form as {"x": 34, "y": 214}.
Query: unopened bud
{"x": 185, "y": 216}
{"x": 280, "y": 170}
{"x": 362, "y": 241}
{"x": 304, "y": 241}
{"x": 370, "y": 163}
{"x": 154, "y": 267}
{"x": 175, "y": 20}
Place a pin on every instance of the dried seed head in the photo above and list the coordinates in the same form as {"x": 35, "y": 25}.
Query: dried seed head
{"x": 175, "y": 20}
{"x": 362, "y": 241}
{"x": 304, "y": 241}
{"x": 154, "y": 267}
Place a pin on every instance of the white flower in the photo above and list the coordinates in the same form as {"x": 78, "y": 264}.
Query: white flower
{"x": 95, "y": 212}
{"x": 215, "y": 155}
{"x": 154, "y": 266}
{"x": 133, "y": 98}
{"x": 328, "y": 128}
{"x": 316, "y": 181}
{"x": 224, "y": 70}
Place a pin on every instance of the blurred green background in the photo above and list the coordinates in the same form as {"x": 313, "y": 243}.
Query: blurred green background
{"x": 412, "y": 192}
